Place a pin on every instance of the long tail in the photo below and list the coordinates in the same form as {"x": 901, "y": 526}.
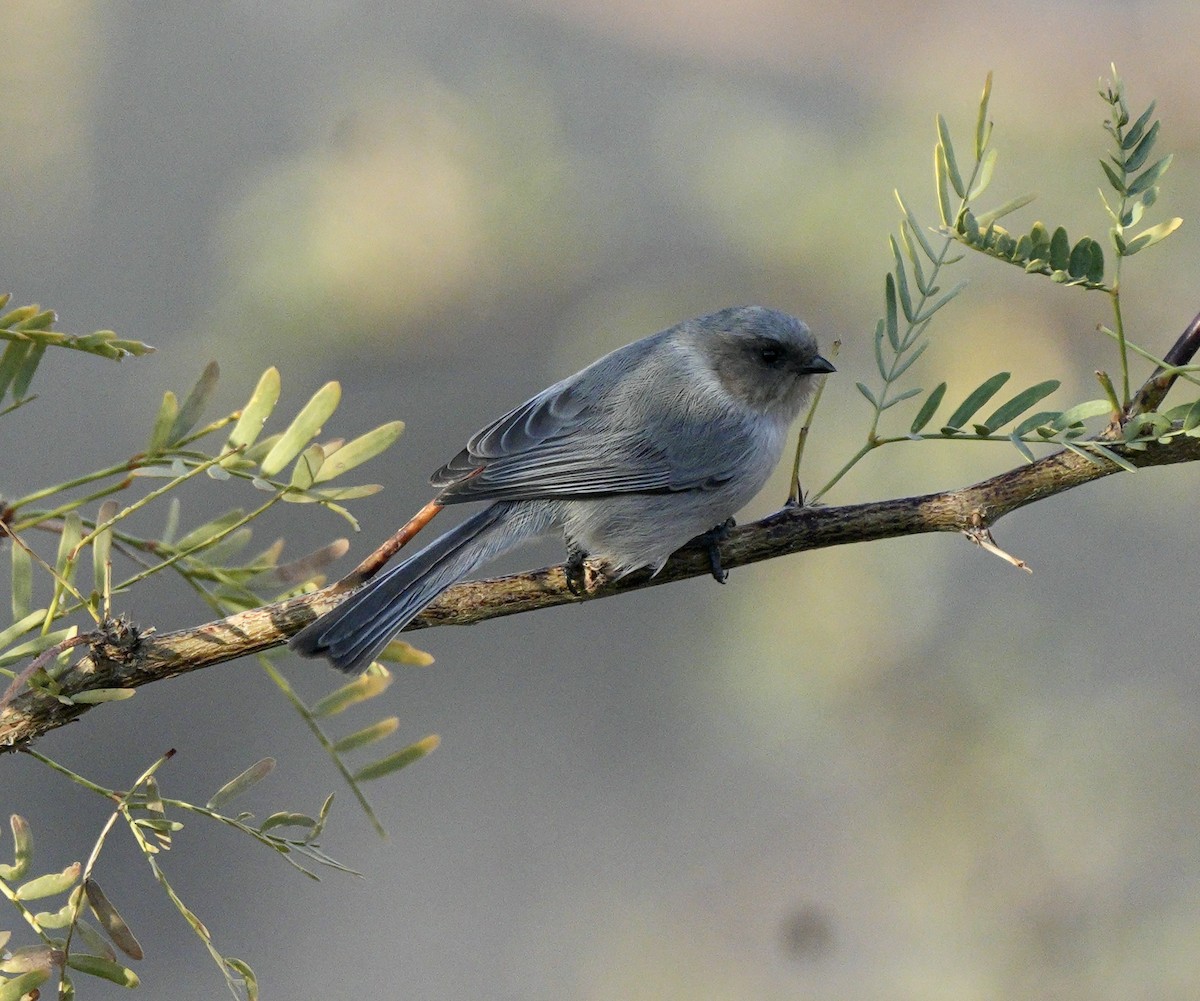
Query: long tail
{"x": 353, "y": 634}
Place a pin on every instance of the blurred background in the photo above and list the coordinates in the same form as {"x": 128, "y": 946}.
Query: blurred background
{"x": 900, "y": 771}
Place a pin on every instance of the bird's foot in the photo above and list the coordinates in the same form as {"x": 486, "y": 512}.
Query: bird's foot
{"x": 576, "y": 571}
{"x": 712, "y": 539}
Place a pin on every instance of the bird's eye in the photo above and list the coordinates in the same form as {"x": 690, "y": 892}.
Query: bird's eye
{"x": 770, "y": 355}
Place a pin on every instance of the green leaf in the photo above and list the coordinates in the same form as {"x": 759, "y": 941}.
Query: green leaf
{"x": 968, "y": 226}
{"x": 941, "y": 182}
{"x": 1060, "y": 250}
{"x": 1191, "y": 419}
{"x": 902, "y": 282}
{"x": 23, "y": 625}
{"x": 1138, "y": 157}
{"x": 1134, "y": 133}
{"x": 1151, "y": 425}
{"x": 917, "y": 230}
{"x": 25, "y": 371}
{"x": 10, "y": 362}
{"x": 111, "y": 921}
{"x": 951, "y": 160}
{"x": 401, "y": 759}
{"x": 135, "y": 348}
{"x": 102, "y": 546}
{"x": 56, "y": 919}
{"x": 22, "y": 582}
{"x": 1080, "y": 413}
{"x": 908, "y": 394}
{"x": 228, "y": 548}
{"x": 243, "y": 970}
{"x": 1095, "y": 270}
{"x": 1085, "y": 453}
{"x": 159, "y": 825}
{"x": 364, "y": 687}
{"x": 168, "y": 413}
{"x": 50, "y": 884}
{"x": 925, "y": 414}
{"x": 1149, "y": 237}
{"x": 189, "y": 413}
{"x": 240, "y": 783}
{"x": 360, "y": 450}
{"x": 890, "y": 319}
{"x": 868, "y": 394}
{"x": 286, "y": 818}
{"x": 977, "y": 398}
{"x": 96, "y": 696}
{"x": 981, "y": 122}
{"x": 305, "y": 427}
{"x": 22, "y": 986}
{"x": 1020, "y": 403}
{"x": 26, "y": 958}
{"x": 204, "y": 534}
{"x": 313, "y": 496}
{"x": 1114, "y": 179}
{"x": 930, "y": 310}
{"x": 1080, "y": 260}
{"x": 256, "y": 411}
{"x": 986, "y": 166}
{"x": 1114, "y": 457}
{"x": 368, "y": 735}
{"x": 880, "y": 364}
{"x": 914, "y": 259}
{"x": 16, "y": 317}
{"x": 403, "y": 652}
{"x": 908, "y": 362}
{"x": 171, "y": 525}
{"x": 106, "y": 969}
{"x": 42, "y": 319}
{"x": 1149, "y": 178}
{"x": 1021, "y": 447}
{"x": 258, "y": 451}
{"x": 32, "y": 647}
{"x": 1007, "y": 208}
{"x": 72, "y": 532}
{"x": 307, "y": 467}
{"x": 22, "y": 850}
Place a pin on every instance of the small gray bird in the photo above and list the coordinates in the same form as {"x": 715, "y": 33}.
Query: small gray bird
{"x": 645, "y": 449}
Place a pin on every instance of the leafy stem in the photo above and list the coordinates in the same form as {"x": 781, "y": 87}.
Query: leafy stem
{"x": 1133, "y": 144}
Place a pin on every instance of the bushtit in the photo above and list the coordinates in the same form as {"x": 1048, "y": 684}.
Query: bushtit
{"x": 643, "y": 450}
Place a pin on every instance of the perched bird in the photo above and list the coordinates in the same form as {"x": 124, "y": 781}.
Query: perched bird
{"x": 648, "y": 447}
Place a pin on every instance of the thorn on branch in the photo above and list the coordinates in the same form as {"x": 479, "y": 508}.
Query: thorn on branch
{"x": 981, "y": 535}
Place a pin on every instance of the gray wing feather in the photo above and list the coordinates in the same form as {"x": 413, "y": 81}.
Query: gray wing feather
{"x": 589, "y": 457}
{"x": 553, "y": 413}
{"x": 581, "y": 437}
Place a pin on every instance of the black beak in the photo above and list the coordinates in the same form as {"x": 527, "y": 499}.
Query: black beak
{"x": 818, "y": 366}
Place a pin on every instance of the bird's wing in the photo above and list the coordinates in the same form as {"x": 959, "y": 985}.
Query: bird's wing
{"x": 557, "y": 445}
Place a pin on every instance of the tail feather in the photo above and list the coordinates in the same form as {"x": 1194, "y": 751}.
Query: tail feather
{"x": 353, "y": 634}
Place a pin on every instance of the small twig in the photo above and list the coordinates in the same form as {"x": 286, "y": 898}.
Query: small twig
{"x": 981, "y": 535}
{"x": 1155, "y": 389}
{"x": 796, "y": 494}
{"x": 39, "y": 661}
{"x": 369, "y": 567}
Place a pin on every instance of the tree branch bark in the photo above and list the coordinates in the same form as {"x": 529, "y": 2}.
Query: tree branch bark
{"x": 127, "y": 659}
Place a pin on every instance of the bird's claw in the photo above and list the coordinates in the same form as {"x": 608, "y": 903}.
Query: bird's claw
{"x": 713, "y": 539}
{"x": 576, "y": 571}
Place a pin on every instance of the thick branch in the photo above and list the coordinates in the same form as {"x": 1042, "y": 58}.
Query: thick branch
{"x": 113, "y": 664}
